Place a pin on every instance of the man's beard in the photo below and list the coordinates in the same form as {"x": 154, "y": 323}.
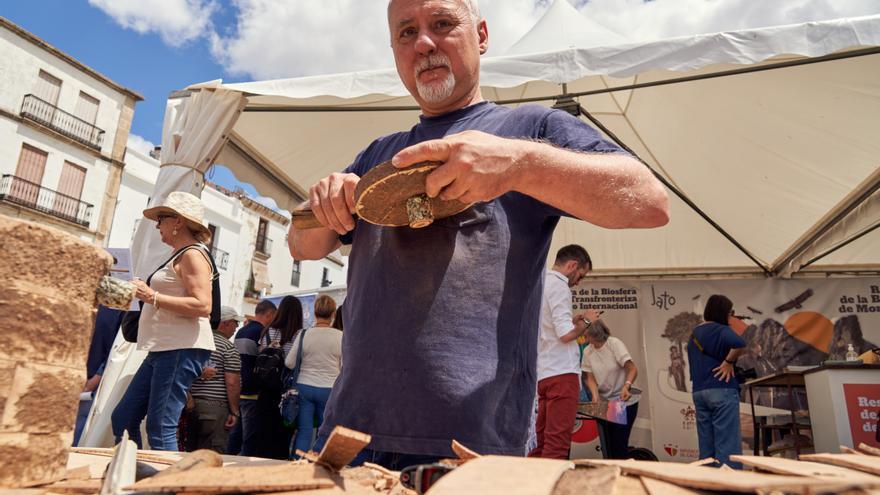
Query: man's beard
{"x": 435, "y": 91}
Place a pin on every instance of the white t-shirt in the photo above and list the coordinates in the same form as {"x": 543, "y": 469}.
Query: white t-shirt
{"x": 321, "y": 357}
{"x": 606, "y": 364}
{"x": 556, "y": 357}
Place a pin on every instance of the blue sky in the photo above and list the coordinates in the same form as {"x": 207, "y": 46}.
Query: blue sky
{"x": 158, "y": 46}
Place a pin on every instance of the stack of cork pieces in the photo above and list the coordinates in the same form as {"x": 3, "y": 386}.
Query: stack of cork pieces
{"x": 854, "y": 472}
{"x": 48, "y": 284}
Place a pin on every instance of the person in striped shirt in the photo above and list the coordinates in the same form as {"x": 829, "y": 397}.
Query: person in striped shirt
{"x": 216, "y": 394}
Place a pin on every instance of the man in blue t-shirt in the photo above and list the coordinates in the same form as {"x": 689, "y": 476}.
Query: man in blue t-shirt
{"x": 442, "y": 321}
{"x": 245, "y": 437}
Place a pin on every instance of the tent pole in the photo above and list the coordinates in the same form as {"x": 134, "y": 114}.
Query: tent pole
{"x": 842, "y": 244}
{"x": 675, "y": 190}
{"x": 712, "y": 75}
{"x": 843, "y": 209}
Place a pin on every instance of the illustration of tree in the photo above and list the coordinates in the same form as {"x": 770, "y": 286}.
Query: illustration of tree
{"x": 680, "y": 327}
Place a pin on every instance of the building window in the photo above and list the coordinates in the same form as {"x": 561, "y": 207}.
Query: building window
{"x": 325, "y": 278}
{"x": 295, "y": 273}
{"x": 24, "y": 188}
{"x": 87, "y": 108}
{"x": 263, "y": 244}
{"x": 213, "y": 230}
{"x": 70, "y": 186}
{"x": 48, "y": 87}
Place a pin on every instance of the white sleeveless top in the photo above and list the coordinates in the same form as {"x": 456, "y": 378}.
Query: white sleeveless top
{"x": 162, "y": 330}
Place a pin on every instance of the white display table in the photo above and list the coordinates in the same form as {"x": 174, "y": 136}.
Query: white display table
{"x": 844, "y": 402}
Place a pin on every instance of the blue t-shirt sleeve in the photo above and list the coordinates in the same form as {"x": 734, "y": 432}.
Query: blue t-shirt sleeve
{"x": 568, "y": 131}
{"x": 730, "y": 340}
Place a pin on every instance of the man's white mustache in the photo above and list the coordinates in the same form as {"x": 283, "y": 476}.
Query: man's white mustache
{"x": 432, "y": 62}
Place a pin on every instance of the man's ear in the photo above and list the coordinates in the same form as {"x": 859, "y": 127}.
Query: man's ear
{"x": 483, "y": 34}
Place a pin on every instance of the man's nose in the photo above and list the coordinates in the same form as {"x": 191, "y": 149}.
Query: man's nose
{"x": 425, "y": 43}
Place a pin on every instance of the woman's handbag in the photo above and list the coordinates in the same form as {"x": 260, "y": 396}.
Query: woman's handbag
{"x": 289, "y": 405}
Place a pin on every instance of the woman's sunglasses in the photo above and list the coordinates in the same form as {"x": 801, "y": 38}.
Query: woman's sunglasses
{"x": 159, "y": 218}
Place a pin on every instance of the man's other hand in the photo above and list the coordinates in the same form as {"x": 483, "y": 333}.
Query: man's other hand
{"x": 332, "y": 201}
{"x": 476, "y": 166}
{"x": 231, "y": 419}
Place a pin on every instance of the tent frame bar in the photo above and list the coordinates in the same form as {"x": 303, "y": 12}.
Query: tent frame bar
{"x": 841, "y": 211}
{"x": 712, "y": 75}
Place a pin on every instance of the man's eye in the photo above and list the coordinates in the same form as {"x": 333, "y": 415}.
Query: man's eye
{"x": 408, "y": 33}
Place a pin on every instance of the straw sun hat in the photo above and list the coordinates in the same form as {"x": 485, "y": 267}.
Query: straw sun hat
{"x": 187, "y": 207}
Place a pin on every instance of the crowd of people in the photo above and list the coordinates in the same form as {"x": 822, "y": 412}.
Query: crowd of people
{"x": 216, "y": 386}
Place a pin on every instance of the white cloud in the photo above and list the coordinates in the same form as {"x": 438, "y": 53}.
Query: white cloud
{"x": 307, "y": 37}
{"x": 290, "y": 38}
{"x": 140, "y": 144}
{"x": 176, "y": 21}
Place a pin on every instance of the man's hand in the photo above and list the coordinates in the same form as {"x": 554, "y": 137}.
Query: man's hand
{"x": 231, "y": 419}
{"x": 208, "y": 372}
{"x": 591, "y": 314}
{"x": 476, "y": 166}
{"x": 625, "y": 394}
{"x": 332, "y": 201}
{"x": 724, "y": 371}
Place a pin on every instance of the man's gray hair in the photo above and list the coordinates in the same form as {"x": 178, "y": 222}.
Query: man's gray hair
{"x": 471, "y": 5}
{"x": 598, "y": 331}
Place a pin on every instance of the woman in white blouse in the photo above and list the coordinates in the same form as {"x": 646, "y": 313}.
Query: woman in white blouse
{"x": 609, "y": 373}
{"x": 321, "y": 364}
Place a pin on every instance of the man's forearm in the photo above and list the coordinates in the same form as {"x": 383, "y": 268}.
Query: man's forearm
{"x": 311, "y": 244}
{"x": 606, "y": 189}
{"x": 233, "y": 391}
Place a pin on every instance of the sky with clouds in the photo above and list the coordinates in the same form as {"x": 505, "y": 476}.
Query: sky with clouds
{"x": 158, "y": 46}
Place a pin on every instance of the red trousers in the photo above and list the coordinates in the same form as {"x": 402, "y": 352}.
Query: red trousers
{"x": 557, "y": 408}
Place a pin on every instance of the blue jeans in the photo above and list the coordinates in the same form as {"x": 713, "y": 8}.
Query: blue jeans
{"x": 250, "y": 427}
{"x": 718, "y": 427}
{"x": 158, "y": 392}
{"x": 312, "y": 401}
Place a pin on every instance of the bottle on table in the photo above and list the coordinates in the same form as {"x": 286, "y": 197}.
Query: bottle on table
{"x": 851, "y": 353}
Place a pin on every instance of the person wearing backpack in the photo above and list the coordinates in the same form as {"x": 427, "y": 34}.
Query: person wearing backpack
{"x": 269, "y": 371}
{"x": 174, "y": 326}
{"x": 243, "y": 439}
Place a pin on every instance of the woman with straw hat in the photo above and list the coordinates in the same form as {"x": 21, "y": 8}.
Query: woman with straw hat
{"x": 173, "y": 325}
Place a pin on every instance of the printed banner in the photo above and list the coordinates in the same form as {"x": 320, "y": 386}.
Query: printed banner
{"x": 784, "y": 322}
{"x": 863, "y": 408}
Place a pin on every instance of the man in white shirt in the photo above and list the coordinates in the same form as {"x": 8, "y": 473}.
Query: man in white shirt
{"x": 558, "y": 353}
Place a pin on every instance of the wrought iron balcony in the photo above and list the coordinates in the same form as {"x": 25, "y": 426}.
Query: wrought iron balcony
{"x": 264, "y": 245}
{"x": 24, "y": 193}
{"x": 70, "y": 125}
{"x": 221, "y": 257}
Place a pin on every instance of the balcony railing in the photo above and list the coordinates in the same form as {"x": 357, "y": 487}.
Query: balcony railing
{"x": 24, "y": 193}
{"x": 62, "y": 122}
{"x": 221, "y": 257}
{"x": 263, "y": 245}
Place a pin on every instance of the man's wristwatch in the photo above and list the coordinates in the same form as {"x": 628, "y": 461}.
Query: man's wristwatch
{"x": 586, "y": 321}
{"x": 729, "y": 361}
{"x": 237, "y": 415}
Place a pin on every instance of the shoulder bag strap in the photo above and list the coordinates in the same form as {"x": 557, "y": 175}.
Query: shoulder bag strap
{"x": 700, "y": 347}
{"x": 299, "y": 354}
{"x": 169, "y": 260}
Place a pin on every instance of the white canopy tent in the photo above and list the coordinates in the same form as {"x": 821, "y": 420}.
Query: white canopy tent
{"x": 767, "y": 139}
